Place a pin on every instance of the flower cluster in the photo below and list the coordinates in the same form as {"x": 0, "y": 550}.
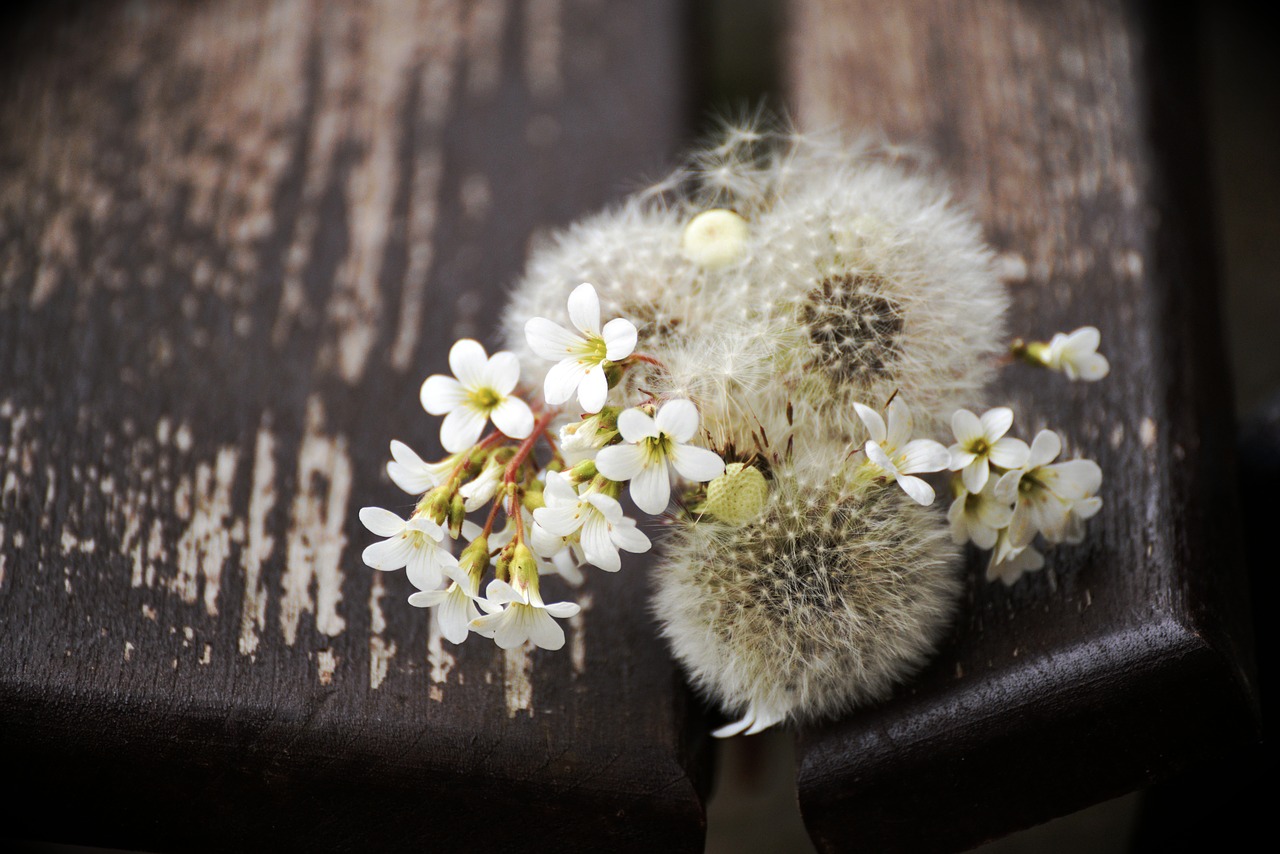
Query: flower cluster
{"x": 793, "y": 326}
{"x": 560, "y": 512}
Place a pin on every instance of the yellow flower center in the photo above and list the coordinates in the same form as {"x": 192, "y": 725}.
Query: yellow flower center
{"x": 483, "y": 398}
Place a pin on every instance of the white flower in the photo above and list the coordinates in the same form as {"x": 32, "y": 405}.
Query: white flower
{"x": 559, "y": 555}
{"x": 457, "y": 603}
{"x": 1081, "y": 511}
{"x": 580, "y": 440}
{"x": 409, "y": 472}
{"x": 889, "y": 449}
{"x": 596, "y": 519}
{"x": 979, "y": 443}
{"x": 1009, "y": 563}
{"x": 481, "y": 391}
{"x": 582, "y": 355}
{"x": 1045, "y": 494}
{"x": 653, "y": 446}
{"x": 525, "y": 617}
{"x": 415, "y": 544}
{"x": 1076, "y": 355}
{"x": 476, "y": 493}
{"x": 979, "y": 516}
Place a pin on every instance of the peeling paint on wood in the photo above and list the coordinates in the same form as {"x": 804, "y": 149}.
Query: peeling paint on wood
{"x": 326, "y": 665}
{"x": 316, "y": 538}
{"x": 259, "y": 544}
{"x": 517, "y": 680}
{"x": 205, "y": 546}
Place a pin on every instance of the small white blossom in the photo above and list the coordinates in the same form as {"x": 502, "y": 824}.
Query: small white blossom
{"x": 457, "y": 603}
{"x": 1008, "y": 563}
{"x": 1081, "y": 511}
{"x": 415, "y": 544}
{"x": 524, "y": 618}
{"x": 481, "y": 391}
{"x": 652, "y": 446}
{"x": 581, "y": 355}
{"x": 477, "y": 493}
{"x": 892, "y": 450}
{"x": 580, "y": 440}
{"x": 559, "y": 555}
{"x": 1045, "y": 491}
{"x": 979, "y": 516}
{"x": 415, "y": 476}
{"x": 981, "y": 442}
{"x": 1076, "y": 355}
{"x": 596, "y": 520}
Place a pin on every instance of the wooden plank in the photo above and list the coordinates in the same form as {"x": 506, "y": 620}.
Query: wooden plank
{"x": 1070, "y": 128}
{"x": 234, "y": 238}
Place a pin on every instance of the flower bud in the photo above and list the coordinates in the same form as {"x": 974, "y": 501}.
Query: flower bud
{"x": 457, "y": 512}
{"x": 738, "y": 495}
{"x": 435, "y": 504}
{"x": 475, "y": 557}
{"x": 714, "y": 238}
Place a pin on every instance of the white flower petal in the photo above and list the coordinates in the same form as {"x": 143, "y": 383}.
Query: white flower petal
{"x": 901, "y": 424}
{"x": 984, "y": 537}
{"x": 923, "y": 455}
{"x": 550, "y": 340}
{"x": 428, "y": 598}
{"x": 544, "y": 631}
{"x": 634, "y": 425}
{"x": 584, "y": 309}
{"x": 1010, "y": 453}
{"x": 561, "y": 521}
{"x": 1092, "y": 367}
{"x": 621, "y": 462}
{"x": 697, "y": 464}
{"x": 563, "y": 379}
{"x": 958, "y": 520}
{"x": 389, "y": 554}
{"x": 620, "y": 339}
{"x": 1073, "y": 479}
{"x": 558, "y": 490}
{"x": 468, "y": 362}
{"x": 500, "y": 593}
{"x": 455, "y": 615}
{"x": 678, "y": 419}
{"x": 513, "y": 417}
{"x": 598, "y": 545}
{"x": 1007, "y": 487}
{"x": 593, "y": 390}
{"x": 503, "y": 372}
{"x": 1084, "y": 340}
{"x": 878, "y": 458}
{"x": 629, "y": 538}
{"x": 461, "y": 428}
{"x": 920, "y": 492}
{"x": 650, "y": 487}
{"x": 1044, "y": 448}
{"x": 441, "y": 394}
{"x": 872, "y": 421}
{"x": 563, "y": 609}
{"x": 382, "y": 522}
{"x": 967, "y": 427}
{"x": 606, "y": 506}
{"x": 974, "y": 476}
{"x": 996, "y": 422}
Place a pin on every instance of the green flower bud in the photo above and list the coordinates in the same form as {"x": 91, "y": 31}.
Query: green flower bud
{"x": 457, "y": 512}
{"x": 738, "y": 495}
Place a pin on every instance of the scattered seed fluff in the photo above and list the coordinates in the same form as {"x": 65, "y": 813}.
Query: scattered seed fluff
{"x": 771, "y": 351}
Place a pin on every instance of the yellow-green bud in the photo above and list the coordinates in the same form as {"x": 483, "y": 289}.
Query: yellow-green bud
{"x": 533, "y": 498}
{"x": 435, "y": 505}
{"x": 457, "y": 512}
{"x": 502, "y": 566}
{"x": 524, "y": 566}
{"x": 714, "y": 238}
{"x": 475, "y": 557}
{"x": 583, "y": 471}
{"x": 738, "y": 495}
{"x": 612, "y": 373}
{"x": 1033, "y": 352}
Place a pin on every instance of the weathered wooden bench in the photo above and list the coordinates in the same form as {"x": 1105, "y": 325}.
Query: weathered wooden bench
{"x": 233, "y": 240}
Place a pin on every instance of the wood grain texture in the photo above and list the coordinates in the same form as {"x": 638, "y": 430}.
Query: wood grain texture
{"x": 1070, "y": 129}
{"x": 234, "y": 238}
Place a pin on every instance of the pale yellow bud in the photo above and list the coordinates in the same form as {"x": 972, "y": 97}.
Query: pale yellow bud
{"x": 714, "y": 238}
{"x": 738, "y": 495}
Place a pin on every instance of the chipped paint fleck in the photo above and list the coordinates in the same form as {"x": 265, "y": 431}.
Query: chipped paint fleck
{"x": 315, "y": 539}
{"x": 1117, "y": 436}
{"x": 260, "y": 544}
{"x": 441, "y": 660}
{"x": 150, "y": 613}
{"x": 1011, "y": 268}
{"x": 578, "y": 637}
{"x": 1147, "y": 432}
{"x": 128, "y": 651}
{"x": 380, "y": 655}
{"x": 207, "y": 655}
{"x": 326, "y": 664}
{"x": 517, "y": 680}
{"x": 205, "y": 546}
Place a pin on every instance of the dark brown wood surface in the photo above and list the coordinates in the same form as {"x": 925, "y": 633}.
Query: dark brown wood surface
{"x": 1071, "y": 129}
{"x": 234, "y": 238}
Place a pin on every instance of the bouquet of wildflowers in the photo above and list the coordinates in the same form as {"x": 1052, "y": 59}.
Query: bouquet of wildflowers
{"x": 800, "y": 333}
